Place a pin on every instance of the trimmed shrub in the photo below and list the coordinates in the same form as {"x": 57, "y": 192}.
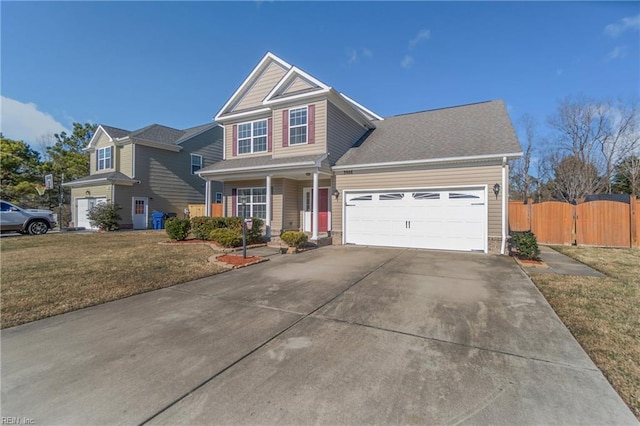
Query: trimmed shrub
{"x": 254, "y": 235}
{"x": 177, "y": 229}
{"x": 233, "y": 222}
{"x": 202, "y": 226}
{"x": 105, "y": 216}
{"x": 527, "y": 245}
{"x": 226, "y": 237}
{"x": 294, "y": 238}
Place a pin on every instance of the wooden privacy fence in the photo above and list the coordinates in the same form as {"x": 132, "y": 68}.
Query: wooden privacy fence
{"x": 594, "y": 223}
{"x": 197, "y": 210}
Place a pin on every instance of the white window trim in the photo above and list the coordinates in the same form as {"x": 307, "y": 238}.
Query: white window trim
{"x": 201, "y": 165}
{"x": 253, "y": 137}
{"x": 104, "y": 160}
{"x": 218, "y": 199}
{"x": 251, "y": 203}
{"x": 305, "y": 125}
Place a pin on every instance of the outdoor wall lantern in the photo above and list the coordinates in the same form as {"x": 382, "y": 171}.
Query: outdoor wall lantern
{"x": 87, "y": 193}
{"x": 336, "y": 194}
{"x": 496, "y": 189}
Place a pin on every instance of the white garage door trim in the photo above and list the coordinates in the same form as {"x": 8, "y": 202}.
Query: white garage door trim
{"x": 457, "y": 222}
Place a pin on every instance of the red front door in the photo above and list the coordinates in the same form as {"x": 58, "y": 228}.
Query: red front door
{"x": 323, "y": 211}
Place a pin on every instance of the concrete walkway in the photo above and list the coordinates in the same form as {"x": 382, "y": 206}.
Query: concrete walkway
{"x": 560, "y": 264}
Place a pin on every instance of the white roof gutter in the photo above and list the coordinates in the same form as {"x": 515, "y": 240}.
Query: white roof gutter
{"x": 429, "y": 161}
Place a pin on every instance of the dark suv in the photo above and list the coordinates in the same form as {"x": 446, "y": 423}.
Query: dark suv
{"x": 31, "y": 221}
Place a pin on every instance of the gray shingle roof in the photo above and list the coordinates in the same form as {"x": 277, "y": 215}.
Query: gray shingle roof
{"x": 115, "y": 132}
{"x": 462, "y": 131}
{"x": 159, "y": 133}
{"x": 263, "y": 161}
{"x": 109, "y": 176}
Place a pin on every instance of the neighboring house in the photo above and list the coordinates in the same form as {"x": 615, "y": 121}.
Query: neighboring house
{"x": 304, "y": 156}
{"x": 151, "y": 169}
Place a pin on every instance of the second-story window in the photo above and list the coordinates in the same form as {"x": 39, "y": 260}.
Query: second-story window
{"x": 298, "y": 126}
{"x": 252, "y": 137}
{"x": 196, "y": 163}
{"x": 103, "y": 158}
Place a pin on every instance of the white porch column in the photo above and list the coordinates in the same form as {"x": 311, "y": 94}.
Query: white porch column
{"x": 207, "y": 198}
{"x": 314, "y": 221}
{"x": 267, "y": 221}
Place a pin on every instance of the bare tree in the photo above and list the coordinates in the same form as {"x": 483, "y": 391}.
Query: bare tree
{"x": 573, "y": 177}
{"x": 621, "y": 135}
{"x": 522, "y": 182}
{"x": 580, "y": 126}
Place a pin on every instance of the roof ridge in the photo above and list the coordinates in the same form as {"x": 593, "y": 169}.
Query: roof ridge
{"x": 444, "y": 108}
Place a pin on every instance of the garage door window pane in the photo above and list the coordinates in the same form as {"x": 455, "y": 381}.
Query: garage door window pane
{"x": 362, "y": 198}
{"x": 456, "y": 195}
{"x": 426, "y": 195}
{"x": 398, "y": 196}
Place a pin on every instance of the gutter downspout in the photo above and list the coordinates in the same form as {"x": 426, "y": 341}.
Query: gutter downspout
{"x": 504, "y": 205}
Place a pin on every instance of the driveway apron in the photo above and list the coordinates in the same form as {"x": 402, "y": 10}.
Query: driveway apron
{"x": 338, "y": 335}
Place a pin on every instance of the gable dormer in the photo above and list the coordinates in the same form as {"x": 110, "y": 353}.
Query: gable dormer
{"x": 296, "y": 84}
{"x": 249, "y": 97}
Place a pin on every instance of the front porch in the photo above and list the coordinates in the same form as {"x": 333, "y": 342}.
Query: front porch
{"x": 286, "y": 194}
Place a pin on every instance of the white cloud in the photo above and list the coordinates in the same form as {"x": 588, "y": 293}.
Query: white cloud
{"x": 355, "y": 55}
{"x": 23, "y": 121}
{"x": 407, "y": 61}
{"x": 423, "y": 35}
{"x": 617, "y": 52}
{"x": 630, "y": 23}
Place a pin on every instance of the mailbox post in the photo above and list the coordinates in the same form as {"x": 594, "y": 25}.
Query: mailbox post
{"x": 244, "y": 226}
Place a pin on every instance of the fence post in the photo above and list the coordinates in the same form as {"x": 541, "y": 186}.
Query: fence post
{"x": 633, "y": 211}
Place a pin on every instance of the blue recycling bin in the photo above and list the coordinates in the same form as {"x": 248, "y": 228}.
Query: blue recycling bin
{"x": 158, "y": 220}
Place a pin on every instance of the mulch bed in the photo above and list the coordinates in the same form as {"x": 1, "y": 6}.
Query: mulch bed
{"x": 528, "y": 263}
{"x": 237, "y": 261}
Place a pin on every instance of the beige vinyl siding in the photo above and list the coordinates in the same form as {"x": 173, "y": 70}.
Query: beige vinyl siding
{"x": 260, "y": 88}
{"x": 124, "y": 159}
{"x": 292, "y": 205}
{"x": 435, "y": 177}
{"x": 298, "y": 85}
{"x": 103, "y": 141}
{"x": 96, "y": 191}
{"x": 318, "y": 147}
{"x": 166, "y": 176}
{"x": 342, "y": 132}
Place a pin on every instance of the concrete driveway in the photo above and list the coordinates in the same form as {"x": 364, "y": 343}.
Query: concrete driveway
{"x": 339, "y": 335}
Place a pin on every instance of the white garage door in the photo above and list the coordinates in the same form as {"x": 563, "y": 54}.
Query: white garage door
{"x": 452, "y": 219}
{"x": 83, "y": 205}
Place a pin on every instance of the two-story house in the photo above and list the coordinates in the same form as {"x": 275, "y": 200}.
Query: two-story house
{"x": 153, "y": 168}
{"x": 304, "y": 156}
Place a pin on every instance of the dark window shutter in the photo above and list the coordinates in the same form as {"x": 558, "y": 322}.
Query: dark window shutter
{"x": 269, "y": 135}
{"x": 285, "y": 127}
{"x": 235, "y": 140}
{"x": 311, "y": 124}
{"x": 234, "y": 201}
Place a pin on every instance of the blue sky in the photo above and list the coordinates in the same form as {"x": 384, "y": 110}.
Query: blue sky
{"x": 130, "y": 64}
